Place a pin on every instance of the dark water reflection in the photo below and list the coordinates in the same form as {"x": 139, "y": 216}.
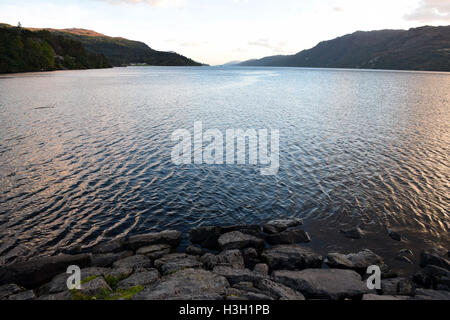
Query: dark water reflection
{"x": 85, "y": 155}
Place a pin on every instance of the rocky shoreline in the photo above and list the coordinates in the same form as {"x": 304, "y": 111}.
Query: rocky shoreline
{"x": 246, "y": 262}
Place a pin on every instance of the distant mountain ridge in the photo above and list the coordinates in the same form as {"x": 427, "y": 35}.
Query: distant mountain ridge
{"x": 425, "y": 48}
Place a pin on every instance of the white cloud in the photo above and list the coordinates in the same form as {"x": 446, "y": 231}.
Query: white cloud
{"x": 153, "y": 3}
{"x": 431, "y": 11}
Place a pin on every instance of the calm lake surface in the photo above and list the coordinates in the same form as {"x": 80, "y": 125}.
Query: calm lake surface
{"x": 85, "y": 156}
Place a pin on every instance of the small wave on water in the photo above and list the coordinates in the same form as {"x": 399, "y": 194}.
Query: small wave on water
{"x": 355, "y": 148}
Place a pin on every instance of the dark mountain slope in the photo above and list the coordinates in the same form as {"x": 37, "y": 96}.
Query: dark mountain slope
{"x": 120, "y": 51}
{"x": 22, "y": 50}
{"x": 424, "y": 48}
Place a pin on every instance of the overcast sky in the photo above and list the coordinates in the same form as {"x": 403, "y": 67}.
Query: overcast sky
{"x": 218, "y": 31}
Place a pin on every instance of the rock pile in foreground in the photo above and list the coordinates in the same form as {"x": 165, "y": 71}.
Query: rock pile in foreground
{"x": 228, "y": 263}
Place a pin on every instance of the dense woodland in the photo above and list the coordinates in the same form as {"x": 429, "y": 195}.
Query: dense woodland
{"x": 121, "y": 51}
{"x": 22, "y": 50}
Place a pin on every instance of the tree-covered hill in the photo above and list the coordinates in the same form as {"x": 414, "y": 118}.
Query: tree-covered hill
{"x": 120, "y": 51}
{"x": 424, "y": 48}
{"x": 22, "y": 50}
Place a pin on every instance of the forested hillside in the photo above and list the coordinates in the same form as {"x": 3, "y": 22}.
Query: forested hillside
{"x": 424, "y": 48}
{"x": 22, "y": 50}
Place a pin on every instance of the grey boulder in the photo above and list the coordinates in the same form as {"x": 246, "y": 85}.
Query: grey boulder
{"x": 206, "y": 237}
{"x": 433, "y": 258}
{"x": 359, "y": 261}
{"x": 23, "y": 296}
{"x": 139, "y": 279}
{"x": 94, "y": 287}
{"x": 279, "y": 291}
{"x": 238, "y": 275}
{"x": 169, "y": 237}
{"x": 238, "y": 240}
{"x": 107, "y": 259}
{"x": 38, "y": 271}
{"x": 291, "y": 257}
{"x": 155, "y": 251}
{"x": 289, "y": 236}
{"x": 176, "y": 261}
{"x": 426, "y": 294}
{"x": 333, "y": 284}
{"x": 397, "y": 286}
{"x": 395, "y": 235}
{"x": 187, "y": 284}
{"x": 137, "y": 262}
{"x": 353, "y": 233}
{"x": 280, "y": 225}
{"x": 230, "y": 258}
{"x": 59, "y": 282}
{"x": 111, "y": 246}
{"x": 9, "y": 289}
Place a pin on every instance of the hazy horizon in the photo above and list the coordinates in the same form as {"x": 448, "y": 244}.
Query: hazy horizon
{"x": 226, "y": 30}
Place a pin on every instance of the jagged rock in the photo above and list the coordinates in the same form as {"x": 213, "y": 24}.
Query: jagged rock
{"x": 155, "y": 251}
{"x": 334, "y": 284}
{"x": 338, "y": 261}
{"x": 291, "y": 257}
{"x": 428, "y": 257}
{"x": 384, "y": 297}
{"x": 278, "y": 290}
{"x": 280, "y": 225}
{"x": 23, "y": 296}
{"x": 247, "y": 287}
{"x": 61, "y": 296}
{"x": 119, "y": 273}
{"x": 187, "y": 284}
{"x": 436, "y": 272}
{"x": 9, "y": 289}
{"x": 387, "y": 272}
{"x": 170, "y": 237}
{"x": 106, "y": 260}
{"x": 230, "y": 258}
{"x": 261, "y": 268}
{"x": 59, "y": 282}
{"x": 406, "y": 252}
{"x": 426, "y": 294}
{"x": 289, "y": 236}
{"x": 397, "y": 286}
{"x": 238, "y": 240}
{"x": 139, "y": 279}
{"x": 251, "y": 257}
{"x": 251, "y": 229}
{"x": 403, "y": 258}
{"x": 112, "y": 246}
{"x": 38, "y": 271}
{"x": 194, "y": 251}
{"x": 236, "y": 294}
{"x": 238, "y": 275}
{"x": 95, "y": 286}
{"x": 137, "y": 262}
{"x": 209, "y": 260}
{"x": 363, "y": 259}
{"x": 353, "y": 233}
{"x": 206, "y": 237}
{"x": 433, "y": 277}
{"x": 176, "y": 261}
{"x": 394, "y": 235}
